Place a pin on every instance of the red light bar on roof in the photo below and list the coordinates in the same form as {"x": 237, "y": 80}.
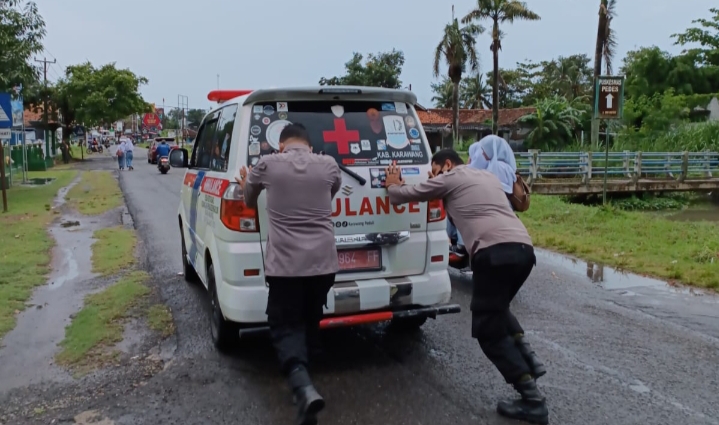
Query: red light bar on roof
{"x": 220, "y": 96}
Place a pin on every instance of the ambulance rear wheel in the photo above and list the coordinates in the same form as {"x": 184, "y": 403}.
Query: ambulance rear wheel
{"x": 225, "y": 334}
{"x": 407, "y": 324}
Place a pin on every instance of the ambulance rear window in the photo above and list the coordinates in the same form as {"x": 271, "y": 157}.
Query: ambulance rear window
{"x": 356, "y": 133}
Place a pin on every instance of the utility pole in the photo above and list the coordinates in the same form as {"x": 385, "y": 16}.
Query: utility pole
{"x": 182, "y": 106}
{"x": 45, "y": 63}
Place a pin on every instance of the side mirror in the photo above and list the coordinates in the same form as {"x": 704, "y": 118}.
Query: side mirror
{"x": 178, "y": 158}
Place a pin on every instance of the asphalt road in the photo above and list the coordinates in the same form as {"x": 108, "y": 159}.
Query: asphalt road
{"x": 627, "y": 351}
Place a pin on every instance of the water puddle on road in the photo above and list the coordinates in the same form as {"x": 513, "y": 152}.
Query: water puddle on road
{"x": 39, "y": 181}
{"x": 26, "y": 356}
{"x": 610, "y": 278}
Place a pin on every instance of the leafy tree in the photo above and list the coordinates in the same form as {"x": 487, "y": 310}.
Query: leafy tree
{"x": 499, "y": 11}
{"x": 553, "y": 123}
{"x": 194, "y": 117}
{"x": 443, "y": 92}
{"x": 514, "y": 88}
{"x": 707, "y": 37}
{"x": 457, "y": 49}
{"x": 474, "y": 92}
{"x": 604, "y": 49}
{"x": 650, "y": 70}
{"x": 102, "y": 95}
{"x": 380, "y": 70}
{"x": 21, "y": 32}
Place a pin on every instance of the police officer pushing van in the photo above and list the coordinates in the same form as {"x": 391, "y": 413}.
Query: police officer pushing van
{"x": 502, "y": 257}
{"x": 301, "y": 260}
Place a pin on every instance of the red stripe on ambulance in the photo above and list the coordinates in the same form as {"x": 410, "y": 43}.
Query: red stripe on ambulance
{"x": 189, "y": 179}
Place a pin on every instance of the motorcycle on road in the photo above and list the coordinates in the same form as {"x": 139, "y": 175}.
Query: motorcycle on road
{"x": 163, "y": 164}
{"x": 94, "y": 148}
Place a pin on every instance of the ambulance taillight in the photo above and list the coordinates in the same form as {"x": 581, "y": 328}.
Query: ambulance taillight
{"x": 435, "y": 211}
{"x": 235, "y": 214}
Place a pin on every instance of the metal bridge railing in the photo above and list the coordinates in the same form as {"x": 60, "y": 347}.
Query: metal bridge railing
{"x": 625, "y": 165}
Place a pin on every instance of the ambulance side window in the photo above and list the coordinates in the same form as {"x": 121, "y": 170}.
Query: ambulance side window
{"x": 221, "y": 149}
{"x": 202, "y": 152}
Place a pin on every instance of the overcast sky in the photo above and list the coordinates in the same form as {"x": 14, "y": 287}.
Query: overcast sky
{"x": 181, "y": 45}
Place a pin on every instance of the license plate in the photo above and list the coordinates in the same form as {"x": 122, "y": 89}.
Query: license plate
{"x": 366, "y": 259}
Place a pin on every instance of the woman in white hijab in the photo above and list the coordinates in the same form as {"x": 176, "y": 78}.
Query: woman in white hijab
{"x": 491, "y": 153}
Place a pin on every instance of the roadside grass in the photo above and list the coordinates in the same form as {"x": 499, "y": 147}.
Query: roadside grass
{"x": 633, "y": 241}
{"x": 99, "y": 323}
{"x": 113, "y": 250}
{"x": 160, "y": 320}
{"x": 25, "y": 244}
{"x": 97, "y": 192}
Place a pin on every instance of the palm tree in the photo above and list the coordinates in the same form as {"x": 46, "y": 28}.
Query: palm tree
{"x": 552, "y": 123}
{"x": 457, "y": 49}
{"x": 499, "y": 11}
{"x": 475, "y": 92}
{"x": 443, "y": 92}
{"x": 604, "y": 50}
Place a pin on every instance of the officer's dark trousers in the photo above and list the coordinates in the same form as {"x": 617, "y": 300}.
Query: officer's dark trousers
{"x": 497, "y": 273}
{"x": 294, "y": 311}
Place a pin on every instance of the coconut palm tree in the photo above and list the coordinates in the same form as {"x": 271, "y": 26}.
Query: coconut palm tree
{"x": 603, "y": 50}
{"x": 475, "y": 92}
{"x": 457, "y": 49}
{"x": 443, "y": 92}
{"x": 499, "y": 11}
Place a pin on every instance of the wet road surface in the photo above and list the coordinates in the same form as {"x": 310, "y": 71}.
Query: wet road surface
{"x": 637, "y": 353}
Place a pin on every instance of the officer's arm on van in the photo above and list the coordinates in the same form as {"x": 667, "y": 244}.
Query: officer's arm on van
{"x": 255, "y": 184}
{"x": 434, "y": 188}
{"x": 336, "y": 179}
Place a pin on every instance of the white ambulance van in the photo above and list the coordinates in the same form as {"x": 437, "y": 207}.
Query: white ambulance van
{"x": 393, "y": 259}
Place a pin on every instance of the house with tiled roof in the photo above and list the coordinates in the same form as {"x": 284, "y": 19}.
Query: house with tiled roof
{"x": 473, "y": 123}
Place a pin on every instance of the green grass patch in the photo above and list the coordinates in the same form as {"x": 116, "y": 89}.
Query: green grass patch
{"x": 113, "y": 251}
{"x": 634, "y": 241}
{"x": 160, "y": 320}
{"x": 25, "y": 244}
{"x": 100, "y": 322}
{"x": 97, "y": 192}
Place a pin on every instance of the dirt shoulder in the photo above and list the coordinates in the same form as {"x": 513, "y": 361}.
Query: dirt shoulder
{"x": 83, "y": 320}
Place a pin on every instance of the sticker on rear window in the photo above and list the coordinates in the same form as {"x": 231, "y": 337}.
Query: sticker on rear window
{"x": 400, "y": 107}
{"x": 388, "y": 107}
{"x": 282, "y": 107}
{"x": 378, "y": 178}
{"x": 257, "y": 109}
{"x": 396, "y": 133}
{"x": 414, "y": 133}
{"x": 410, "y": 171}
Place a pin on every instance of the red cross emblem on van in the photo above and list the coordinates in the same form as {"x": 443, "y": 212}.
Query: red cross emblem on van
{"x": 341, "y": 136}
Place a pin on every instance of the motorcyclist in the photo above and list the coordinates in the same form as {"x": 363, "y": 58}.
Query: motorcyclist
{"x": 163, "y": 149}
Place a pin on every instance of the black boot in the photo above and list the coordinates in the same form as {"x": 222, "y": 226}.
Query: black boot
{"x": 531, "y": 408}
{"x": 535, "y": 365}
{"x": 306, "y": 397}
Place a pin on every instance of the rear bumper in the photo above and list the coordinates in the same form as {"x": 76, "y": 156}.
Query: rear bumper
{"x": 247, "y": 304}
{"x": 373, "y": 317}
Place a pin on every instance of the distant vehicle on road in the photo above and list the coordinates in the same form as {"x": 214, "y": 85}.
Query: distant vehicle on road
{"x": 151, "y": 151}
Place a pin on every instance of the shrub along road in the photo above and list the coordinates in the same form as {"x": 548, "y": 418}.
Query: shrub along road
{"x": 643, "y": 352}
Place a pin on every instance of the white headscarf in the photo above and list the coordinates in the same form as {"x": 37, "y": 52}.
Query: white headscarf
{"x": 501, "y": 160}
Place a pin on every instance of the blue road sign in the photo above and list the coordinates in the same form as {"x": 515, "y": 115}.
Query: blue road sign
{"x": 5, "y": 110}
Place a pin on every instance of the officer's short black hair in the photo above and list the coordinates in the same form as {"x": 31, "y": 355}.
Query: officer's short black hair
{"x": 443, "y": 155}
{"x": 296, "y": 131}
